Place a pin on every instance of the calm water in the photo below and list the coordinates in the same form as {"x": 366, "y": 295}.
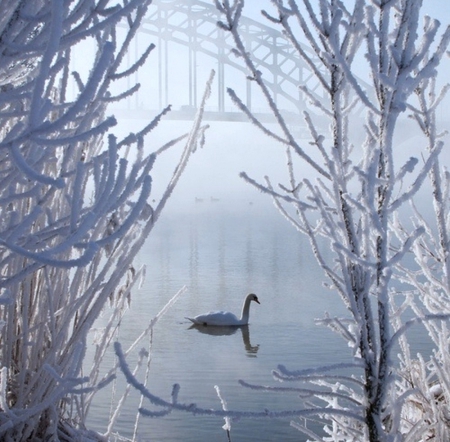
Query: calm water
{"x": 222, "y": 255}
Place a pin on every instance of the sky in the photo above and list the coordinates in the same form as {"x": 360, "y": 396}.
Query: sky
{"x": 435, "y": 8}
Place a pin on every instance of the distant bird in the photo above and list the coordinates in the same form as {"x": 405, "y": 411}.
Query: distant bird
{"x": 222, "y": 319}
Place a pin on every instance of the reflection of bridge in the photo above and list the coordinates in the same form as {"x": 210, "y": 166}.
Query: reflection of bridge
{"x": 189, "y": 44}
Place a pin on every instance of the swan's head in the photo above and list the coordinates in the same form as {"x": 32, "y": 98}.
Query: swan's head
{"x": 253, "y": 297}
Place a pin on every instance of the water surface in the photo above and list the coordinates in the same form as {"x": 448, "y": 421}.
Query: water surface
{"x": 221, "y": 255}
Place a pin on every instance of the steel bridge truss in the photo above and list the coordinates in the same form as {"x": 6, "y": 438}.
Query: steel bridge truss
{"x": 192, "y": 25}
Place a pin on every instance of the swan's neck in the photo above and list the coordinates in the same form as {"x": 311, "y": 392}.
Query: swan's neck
{"x": 245, "y": 311}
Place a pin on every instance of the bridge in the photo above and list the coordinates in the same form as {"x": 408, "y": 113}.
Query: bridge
{"x": 189, "y": 44}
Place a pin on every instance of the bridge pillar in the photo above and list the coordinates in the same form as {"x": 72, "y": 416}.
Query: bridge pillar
{"x": 221, "y": 71}
{"x": 192, "y": 48}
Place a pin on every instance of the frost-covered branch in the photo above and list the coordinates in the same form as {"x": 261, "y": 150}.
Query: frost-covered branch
{"x": 74, "y": 204}
{"x": 175, "y": 405}
{"x": 355, "y": 188}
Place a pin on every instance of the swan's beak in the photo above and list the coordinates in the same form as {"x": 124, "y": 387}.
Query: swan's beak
{"x": 256, "y": 300}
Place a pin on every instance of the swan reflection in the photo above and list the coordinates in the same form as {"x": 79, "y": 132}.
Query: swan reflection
{"x": 251, "y": 350}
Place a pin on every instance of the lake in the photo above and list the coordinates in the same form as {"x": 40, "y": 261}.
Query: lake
{"x": 222, "y": 240}
{"x": 221, "y": 252}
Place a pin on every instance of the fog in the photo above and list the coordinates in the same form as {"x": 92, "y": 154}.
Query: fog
{"x": 231, "y": 147}
{"x": 175, "y": 75}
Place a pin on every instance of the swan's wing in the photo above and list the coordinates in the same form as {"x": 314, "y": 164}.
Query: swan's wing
{"x": 216, "y": 319}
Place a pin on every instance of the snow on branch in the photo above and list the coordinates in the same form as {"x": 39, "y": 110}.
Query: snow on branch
{"x": 74, "y": 208}
{"x": 361, "y": 210}
{"x": 192, "y": 408}
{"x": 136, "y": 66}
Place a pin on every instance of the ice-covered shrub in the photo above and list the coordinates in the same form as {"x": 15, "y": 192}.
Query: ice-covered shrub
{"x": 74, "y": 203}
{"x": 358, "y": 189}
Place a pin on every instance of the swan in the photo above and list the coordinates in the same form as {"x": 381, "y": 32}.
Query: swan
{"x": 226, "y": 318}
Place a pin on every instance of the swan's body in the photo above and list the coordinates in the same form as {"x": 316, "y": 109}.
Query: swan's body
{"x": 222, "y": 319}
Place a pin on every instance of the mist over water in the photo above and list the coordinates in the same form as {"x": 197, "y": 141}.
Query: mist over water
{"x": 221, "y": 256}
{"x": 223, "y": 239}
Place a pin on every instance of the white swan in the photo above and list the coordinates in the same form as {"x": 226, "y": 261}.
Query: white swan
{"x": 226, "y": 318}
